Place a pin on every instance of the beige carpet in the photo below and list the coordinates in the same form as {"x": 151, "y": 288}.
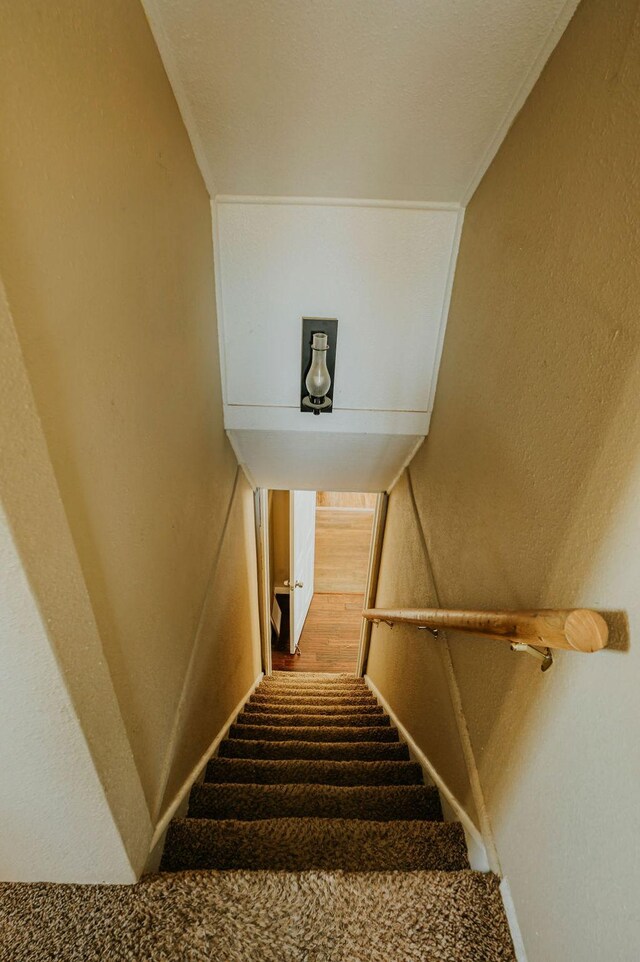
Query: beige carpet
{"x": 259, "y": 917}
{"x": 329, "y": 751}
{"x": 312, "y": 839}
{"x": 377, "y": 803}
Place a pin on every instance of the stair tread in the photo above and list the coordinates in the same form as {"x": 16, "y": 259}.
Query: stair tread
{"x": 312, "y": 771}
{"x": 306, "y": 843}
{"x": 337, "y": 688}
{"x": 329, "y": 704}
{"x": 309, "y": 691}
{"x": 377, "y": 803}
{"x": 264, "y": 917}
{"x": 295, "y": 718}
{"x": 313, "y": 692}
{"x": 353, "y": 684}
{"x": 309, "y": 733}
{"x": 336, "y": 751}
{"x": 286, "y": 708}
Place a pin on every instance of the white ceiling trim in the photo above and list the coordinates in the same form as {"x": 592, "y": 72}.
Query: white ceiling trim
{"x": 338, "y": 202}
{"x": 184, "y": 105}
{"x": 253, "y": 417}
{"x": 516, "y": 105}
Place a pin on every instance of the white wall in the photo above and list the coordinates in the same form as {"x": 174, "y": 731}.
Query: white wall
{"x": 49, "y": 781}
{"x": 384, "y": 271}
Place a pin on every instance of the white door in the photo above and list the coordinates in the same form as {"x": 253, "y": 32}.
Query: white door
{"x": 302, "y": 549}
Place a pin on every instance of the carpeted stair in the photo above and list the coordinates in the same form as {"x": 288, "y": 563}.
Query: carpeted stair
{"x": 334, "y": 751}
{"x": 378, "y": 803}
{"x": 296, "y": 844}
{"x": 311, "y": 771}
{"x": 313, "y": 778}
{"x": 313, "y": 838}
{"x": 312, "y": 733}
{"x": 293, "y": 718}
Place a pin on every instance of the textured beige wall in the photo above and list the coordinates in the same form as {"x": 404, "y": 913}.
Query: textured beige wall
{"x": 406, "y": 665}
{"x": 226, "y": 658}
{"x": 106, "y": 256}
{"x": 528, "y": 486}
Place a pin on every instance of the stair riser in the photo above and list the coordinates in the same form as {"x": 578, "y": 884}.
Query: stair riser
{"x": 257, "y": 802}
{"x": 331, "y": 751}
{"x": 248, "y": 771}
{"x": 320, "y": 677}
{"x": 313, "y": 699}
{"x": 295, "y": 682}
{"x": 303, "y": 844}
{"x": 277, "y": 733}
{"x": 334, "y": 721}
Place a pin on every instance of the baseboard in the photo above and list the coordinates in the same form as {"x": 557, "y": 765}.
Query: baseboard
{"x": 197, "y": 770}
{"x": 512, "y": 919}
{"x": 452, "y": 808}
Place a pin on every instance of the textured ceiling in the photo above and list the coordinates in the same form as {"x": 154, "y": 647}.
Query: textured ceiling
{"x": 382, "y": 99}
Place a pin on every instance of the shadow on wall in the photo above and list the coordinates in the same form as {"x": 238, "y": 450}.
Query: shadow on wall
{"x": 528, "y": 487}
{"x": 409, "y": 666}
{"x": 535, "y": 436}
{"x": 108, "y": 266}
{"x": 225, "y": 658}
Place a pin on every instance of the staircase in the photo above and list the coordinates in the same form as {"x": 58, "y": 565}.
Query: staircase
{"x": 312, "y": 839}
{"x": 312, "y": 779}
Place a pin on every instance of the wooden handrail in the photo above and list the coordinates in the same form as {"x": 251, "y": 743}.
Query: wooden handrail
{"x": 574, "y": 629}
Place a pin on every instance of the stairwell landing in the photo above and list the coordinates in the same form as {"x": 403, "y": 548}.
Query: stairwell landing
{"x": 313, "y": 838}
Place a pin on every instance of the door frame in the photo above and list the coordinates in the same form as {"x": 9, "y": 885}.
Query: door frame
{"x": 261, "y": 504}
{"x": 261, "y": 511}
{"x": 373, "y": 572}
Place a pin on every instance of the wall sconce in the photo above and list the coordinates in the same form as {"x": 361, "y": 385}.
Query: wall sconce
{"x": 319, "y": 337}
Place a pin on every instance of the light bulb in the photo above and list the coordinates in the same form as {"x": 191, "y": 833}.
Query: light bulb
{"x": 318, "y": 380}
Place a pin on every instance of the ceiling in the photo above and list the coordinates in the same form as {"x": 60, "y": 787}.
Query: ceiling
{"x": 342, "y": 140}
{"x": 380, "y": 99}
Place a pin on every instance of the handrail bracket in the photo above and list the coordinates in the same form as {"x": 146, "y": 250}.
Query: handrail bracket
{"x": 544, "y": 655}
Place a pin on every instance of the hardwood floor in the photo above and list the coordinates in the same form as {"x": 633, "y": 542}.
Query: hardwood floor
{"x": 330, "y": 637}
{"x": 343, "y": 538}
{"x": 345, "y": 499}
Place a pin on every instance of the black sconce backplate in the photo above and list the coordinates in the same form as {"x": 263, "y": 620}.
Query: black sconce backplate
{"x": 311, "y": 326}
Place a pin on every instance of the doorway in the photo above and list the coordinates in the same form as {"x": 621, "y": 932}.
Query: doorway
{"x": 320, "y": 546}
